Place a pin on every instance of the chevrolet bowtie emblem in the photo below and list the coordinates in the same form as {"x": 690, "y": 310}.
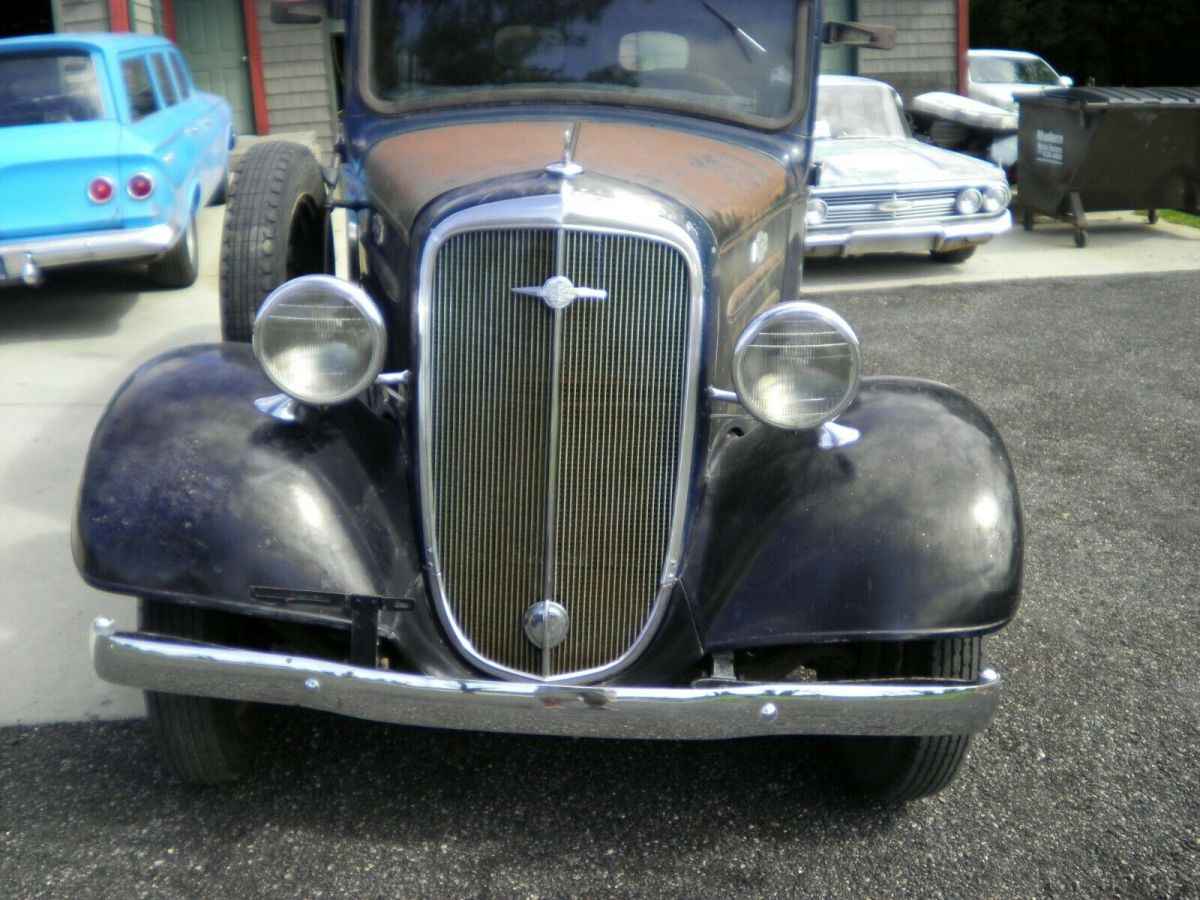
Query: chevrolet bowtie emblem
{"x": 559, "y": 293}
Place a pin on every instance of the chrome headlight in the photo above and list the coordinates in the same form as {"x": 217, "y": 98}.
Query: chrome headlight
{"x": 995, "y": 198}
{"x": 320, "y": 339}
{"x": 968, "y": 201}
{"x": 797, "y": 365}
{"x": 816, "y": 211}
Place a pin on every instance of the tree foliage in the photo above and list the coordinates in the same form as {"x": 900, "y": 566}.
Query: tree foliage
{"x": 1119, "y": 42}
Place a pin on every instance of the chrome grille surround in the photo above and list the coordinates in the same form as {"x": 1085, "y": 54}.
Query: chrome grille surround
{"x": 567, "y": 213}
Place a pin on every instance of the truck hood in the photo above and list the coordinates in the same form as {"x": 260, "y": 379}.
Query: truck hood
{"x": 731, "y": 186}
{"x": 859, "y": 162}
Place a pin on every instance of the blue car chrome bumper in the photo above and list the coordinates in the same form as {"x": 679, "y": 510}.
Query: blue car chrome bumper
{"x": 735, "y": 710}
{"x": 24, "y": 260}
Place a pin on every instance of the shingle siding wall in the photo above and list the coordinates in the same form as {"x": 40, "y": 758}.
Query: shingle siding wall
{"x": 82, "y": 15}
{"x": 298, "y": 73}
{"x": 926, "y": 54}
{"x": 141, "y": 16}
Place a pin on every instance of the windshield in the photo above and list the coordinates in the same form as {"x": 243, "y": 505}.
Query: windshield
{"x": 47, "y": 87}
{"x": 1010, "y": 70}
{"x": 731, "y": 57}
{"x": 858, "y": 110}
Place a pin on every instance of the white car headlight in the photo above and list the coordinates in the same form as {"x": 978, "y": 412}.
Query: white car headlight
{"x": 816, "y": 211}
{"x": 797, "y": 365}
{"x": 320, "y": 339}
{"x": 968, "y": 201}
{"x": 995, "y": 198}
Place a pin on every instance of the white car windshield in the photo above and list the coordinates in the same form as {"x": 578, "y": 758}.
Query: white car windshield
{"x": 1011, "y": 70}
{"x": 858, "y": 111}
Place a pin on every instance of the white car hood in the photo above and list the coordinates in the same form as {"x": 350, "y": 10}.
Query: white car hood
{"x": 895, "y": 163}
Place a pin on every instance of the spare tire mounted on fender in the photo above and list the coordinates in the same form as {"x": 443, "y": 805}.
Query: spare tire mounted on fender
{"x": 276, "y": 228}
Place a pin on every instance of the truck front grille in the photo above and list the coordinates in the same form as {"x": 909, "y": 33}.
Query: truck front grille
{"x": 491, "y": 406}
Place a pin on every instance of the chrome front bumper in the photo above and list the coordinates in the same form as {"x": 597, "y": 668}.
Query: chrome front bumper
{"x": 708, "y": 713}
{"x": 903, "y": 237}
{"x": 24, "y": 260}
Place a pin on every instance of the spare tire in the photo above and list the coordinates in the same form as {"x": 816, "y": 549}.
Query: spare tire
{"x": 276, "y": 228}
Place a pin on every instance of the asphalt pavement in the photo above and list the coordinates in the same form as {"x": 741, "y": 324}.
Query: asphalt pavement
{"x": 1087, "y": 784}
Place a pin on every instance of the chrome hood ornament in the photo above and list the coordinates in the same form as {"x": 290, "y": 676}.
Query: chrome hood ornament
{"x": 559, "y": 293}
{"x": 567, "y": 167}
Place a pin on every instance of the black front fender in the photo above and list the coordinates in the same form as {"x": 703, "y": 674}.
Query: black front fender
{"x": 191, "y": 492}
{"x": 901, "y": 522}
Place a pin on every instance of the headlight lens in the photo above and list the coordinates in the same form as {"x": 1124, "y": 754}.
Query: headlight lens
{"x": 797, "y": 365}
{"x": 995, "y": 198}
{"x": 969, "y": 201}
{"x": 320, "y": 339}
{"x": 816, "y": 212}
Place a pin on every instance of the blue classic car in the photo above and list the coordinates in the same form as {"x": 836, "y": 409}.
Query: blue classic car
{"x": 107, "y": 150}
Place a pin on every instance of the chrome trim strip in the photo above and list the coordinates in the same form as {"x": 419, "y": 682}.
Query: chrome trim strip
{"x": 641, "y": 713}
{"x": 96, "y": 246}
{"x": 721, "y": 395}
{"x": 553, "y": 442}
{"x": 567, "y": 210}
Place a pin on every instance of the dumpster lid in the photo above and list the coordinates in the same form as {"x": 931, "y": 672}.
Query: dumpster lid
{"x": 1121, "y": 96}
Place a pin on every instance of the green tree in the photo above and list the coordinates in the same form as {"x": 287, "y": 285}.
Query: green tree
{"x": 1118, "y": 42}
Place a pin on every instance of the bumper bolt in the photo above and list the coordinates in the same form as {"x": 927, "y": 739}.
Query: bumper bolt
{"x": 312, "y": 685}
{"x": 769, "y": 712}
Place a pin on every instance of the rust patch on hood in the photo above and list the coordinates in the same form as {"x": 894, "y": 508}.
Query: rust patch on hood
{"x": 730, "y": 186}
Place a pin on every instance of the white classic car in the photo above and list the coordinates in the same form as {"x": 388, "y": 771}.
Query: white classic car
{"x": 880, "y": 190}
{"x": 1001, "y": 77}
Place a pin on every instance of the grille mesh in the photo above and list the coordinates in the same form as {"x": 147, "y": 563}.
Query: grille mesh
{"x": 864, "y": 207}
{"x": 622, "y": 383}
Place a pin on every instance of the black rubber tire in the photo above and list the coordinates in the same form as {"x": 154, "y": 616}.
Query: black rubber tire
{"x": 276, "y": 228}
{"x": 962, "y": 254}
{"x": 181, "y": 265}
{"x": 1152, "y": 216}
{"x": 203, "y": 741}
{"x": 899, "y": 769}
{"x": 1027, "y": 219}
{"x": 1081, "y": 238}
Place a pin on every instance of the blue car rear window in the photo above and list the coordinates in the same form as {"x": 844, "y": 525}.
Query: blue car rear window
{"x": 42, "y": 88}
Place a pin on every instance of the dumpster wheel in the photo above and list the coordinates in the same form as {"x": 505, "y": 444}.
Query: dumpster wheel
{"x": 1081, "y": 237}
{"x": 1027, "y": 219}
{"x": 1152, "y": 216}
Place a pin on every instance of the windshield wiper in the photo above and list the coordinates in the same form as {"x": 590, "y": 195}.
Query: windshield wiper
{"x": 748, "y": 42}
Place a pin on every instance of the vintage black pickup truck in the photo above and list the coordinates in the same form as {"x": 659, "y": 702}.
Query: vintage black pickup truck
{"x": 566, "y": 453}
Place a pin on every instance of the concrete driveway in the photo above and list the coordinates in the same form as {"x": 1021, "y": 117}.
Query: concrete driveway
{"x": 65, "y": 348}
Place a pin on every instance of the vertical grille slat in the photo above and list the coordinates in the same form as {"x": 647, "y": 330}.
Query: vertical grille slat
{"x": 622, "y": 387}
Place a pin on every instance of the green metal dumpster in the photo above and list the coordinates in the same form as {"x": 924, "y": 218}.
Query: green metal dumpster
{"x": 1101, "y": 148}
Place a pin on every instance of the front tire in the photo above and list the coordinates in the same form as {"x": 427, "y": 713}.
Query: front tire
{"x": 202, "y": 740}
{"x": 898, "y": 769}
{"x": 276, "y": 228}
